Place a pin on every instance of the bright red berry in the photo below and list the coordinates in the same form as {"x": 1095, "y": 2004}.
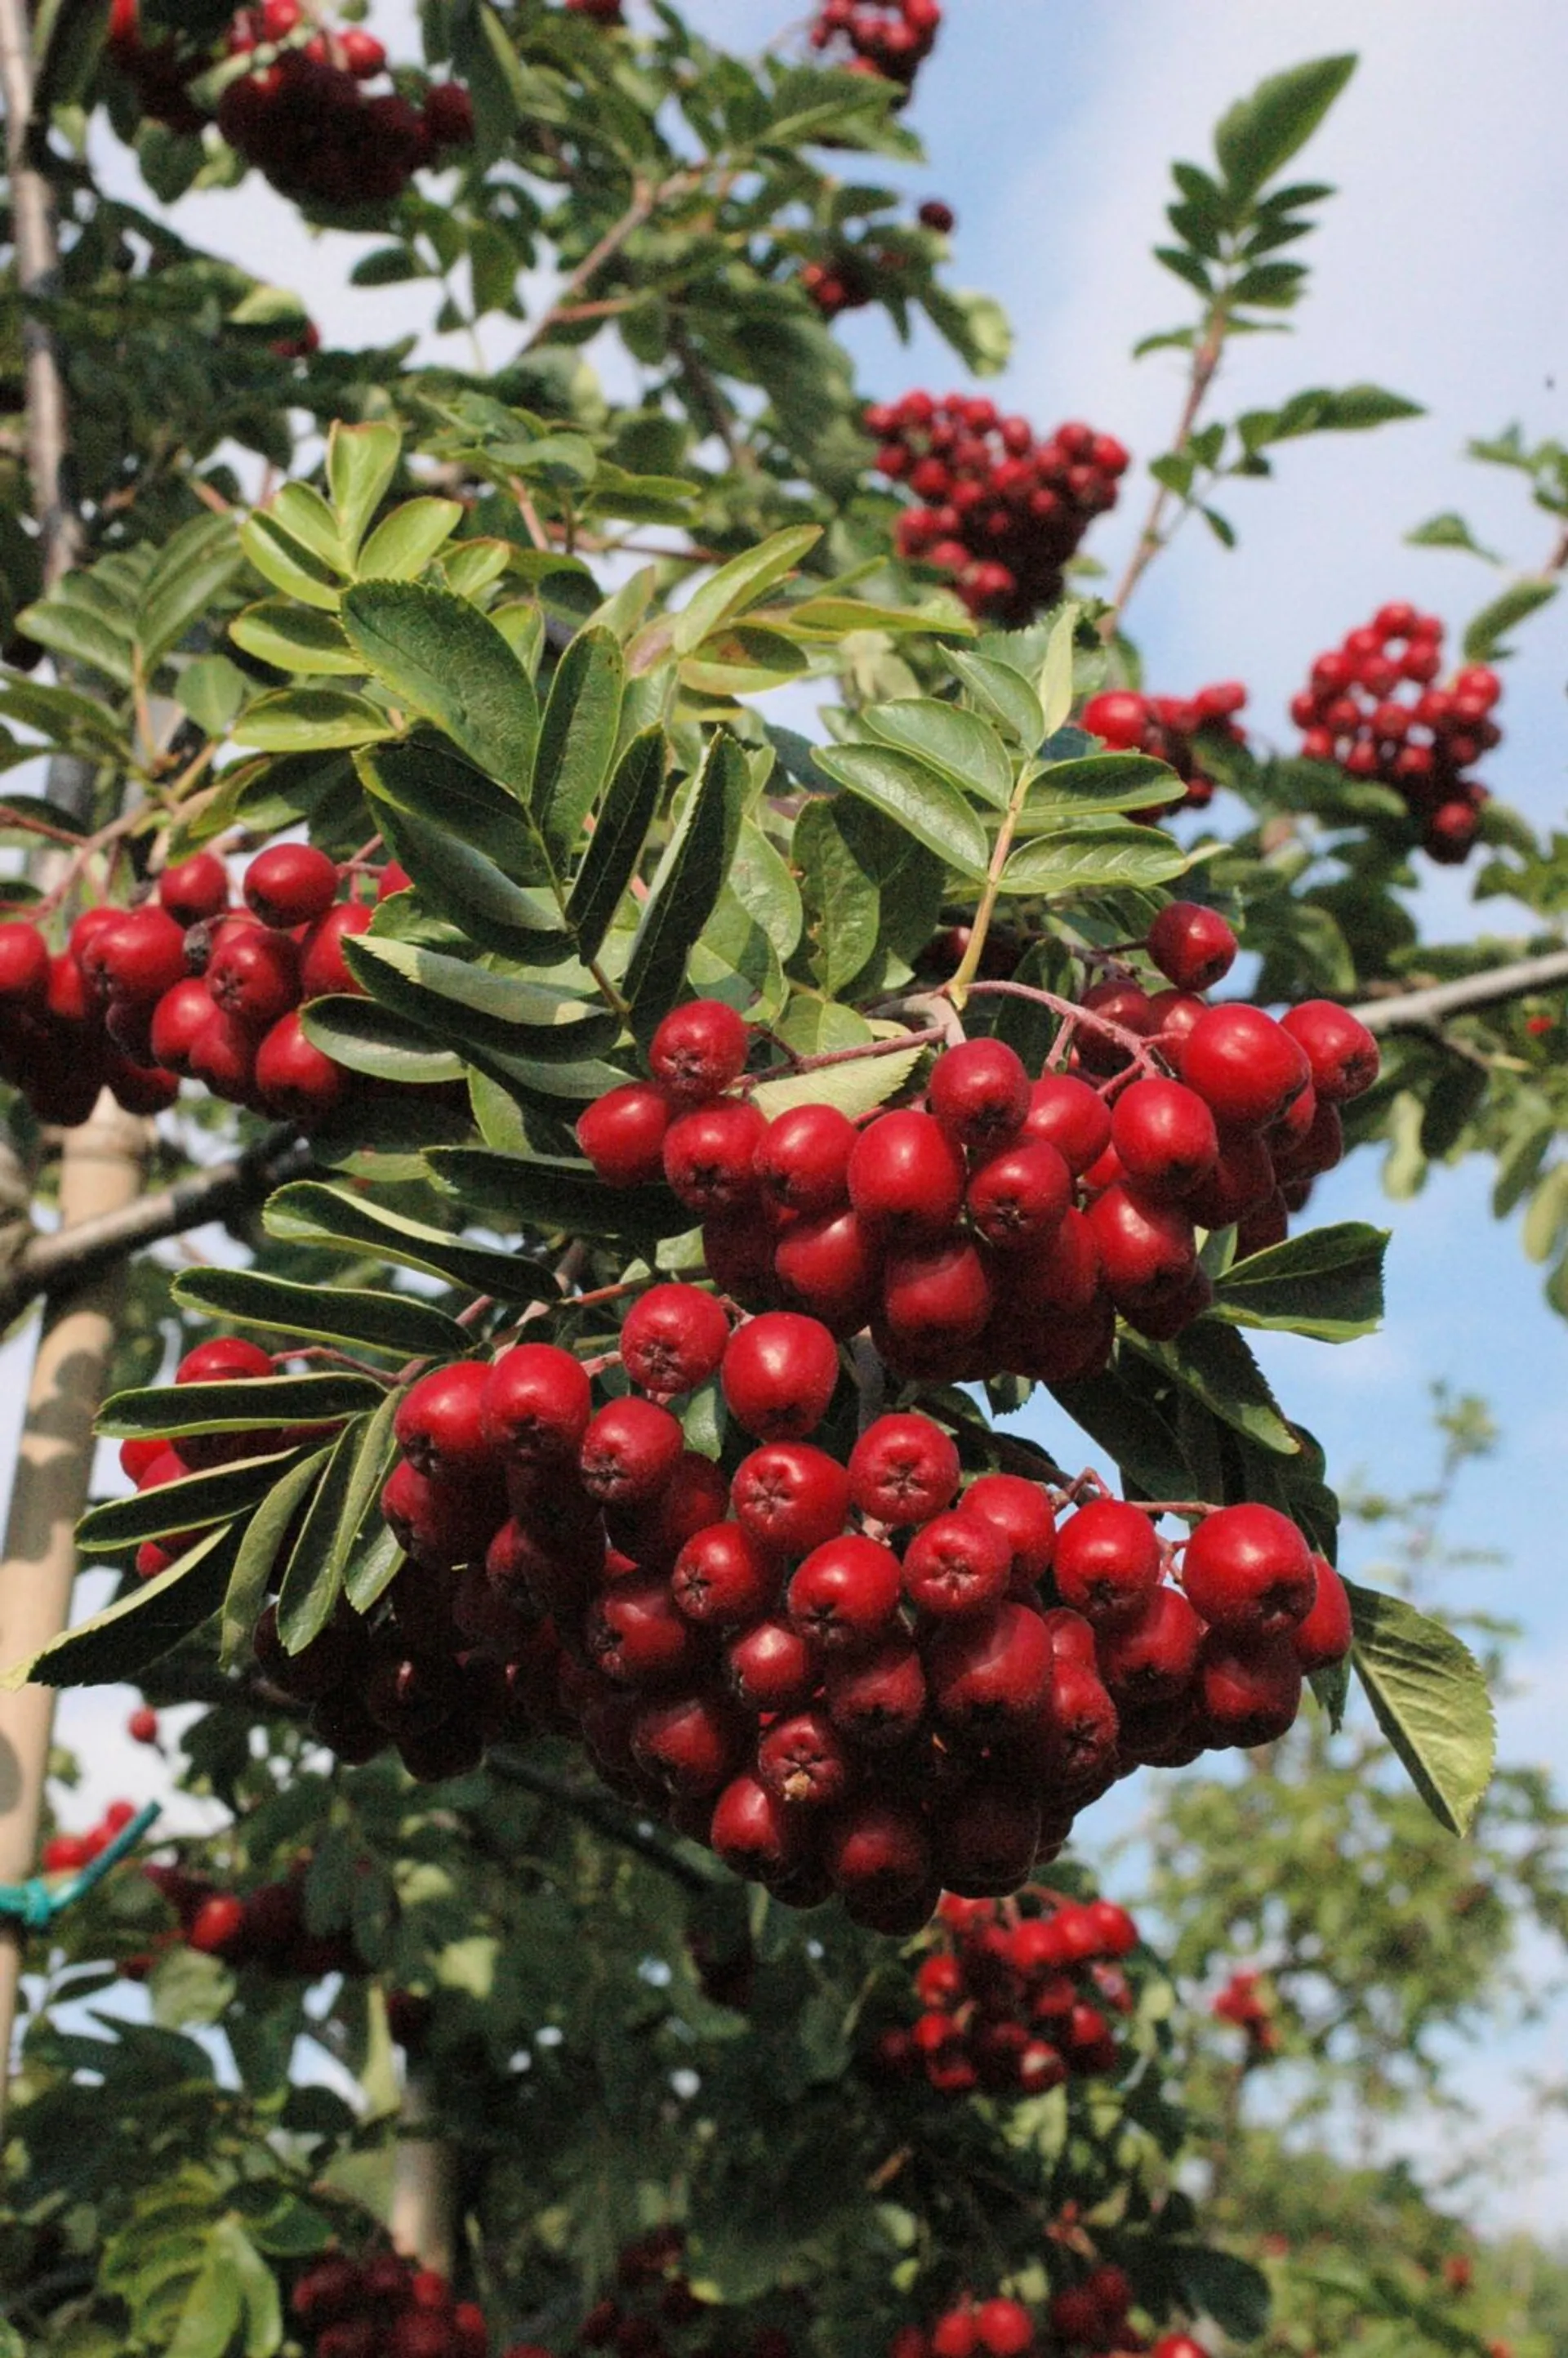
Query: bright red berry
{"x": 291, "y": 885}
{"x": 1192, "y": 946}
{"x": 698, "y": 1050}
{"x": 622, "y": 1134}
{"x": 1249, "y": 1571}
{"x": 672, "y": 1339}
{"x": 779, "y": 1374}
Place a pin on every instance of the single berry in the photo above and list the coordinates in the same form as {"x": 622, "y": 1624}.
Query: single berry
{"x": 1192, "y": 946}
{"x": 1249, "y": 1572}
{"x": 291, "y": 885}
{"x": 698, "y": 1050}
{"x": 779, "y": 1373}
{"x": 904, "y": 1469}
{"x": 622, "y": 1134}
{"x": 672, "y": 1339}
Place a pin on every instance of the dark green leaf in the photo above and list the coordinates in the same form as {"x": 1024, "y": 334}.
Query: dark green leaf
{"x": 190, "y": 1505}
{"x": 1217, "y": 1367}
{"x": 1327, "y": 1283}
{"x": 1224, "y": 2287}
{"x": 1430, "y": 1699}
{"x": 470, "y": 1009}
{"x": 1085, "y": 861}
{"x": 1261, "y": 132}
{"x": 312, "y": 1580}
{"x": 686, "y": 883}
{"x": 397, "y": 1322}
{"x": 576, "y": 738}
{"x": 264, "y": 1536}
{"x": 127, "y": 1636}
{"x": 444, "y": 659}
{"x": 307, "y": 1212}
{"x": 620, "y": 829}
{"x": 1003, "y": 692}
{"x": 916, "y": 798}
{"x": 254, "y": 1404}
{"x": 1099, "y": 782}
{"x": 959, "y": 745}
{"x": 1486, "y": 633}
{"x": 1449, "y": 530}
{"x": 372, "y": 1040}
{"x": 525, "y": 1191}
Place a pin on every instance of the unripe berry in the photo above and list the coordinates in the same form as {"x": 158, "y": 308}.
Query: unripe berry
{"x": 622, "y": 1134}
{"x": 672, "y": 1339}
{"x": 1249, "y": 1572}
{"x": 698, "y": 1050}
{"x": 291, "y": 885}
{"x": 779, "y": 1374}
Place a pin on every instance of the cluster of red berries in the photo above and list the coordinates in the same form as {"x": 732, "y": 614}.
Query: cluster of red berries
{"x": 652, "y": 2297}
{"x": 999, "y": 512}
{"x": 265, "y": 1928}
{"x": 303, "y": 115}
{"x": 893, "y": 40}
{"x": 1373, "y": 706}
{"x": 183, "y": 987}
{"x": 1171, "y": 728}
{"x": 1243, "y": 2005}
{"x": 385, "y": 2306}
{"x": 1001, "y": 1226}
{"x": 1019, "y": 1995}
{"x": 851, "y": 273}
{"x": 68, "y": 1853}
{"x": 1091, "y": 2315}
{"x": 599, "y": 12}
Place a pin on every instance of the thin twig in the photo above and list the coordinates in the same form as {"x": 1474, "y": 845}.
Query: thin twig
{"x": 1424, "y": 1010}
{"x": 647, "y": 196}
{"x": 1150, "y": 540}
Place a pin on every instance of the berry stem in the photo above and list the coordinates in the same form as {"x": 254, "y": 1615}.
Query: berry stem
{"x": 1139, "y": 1049}
{"x": 969, "y": 965}
{"x": 927, "y": 1038}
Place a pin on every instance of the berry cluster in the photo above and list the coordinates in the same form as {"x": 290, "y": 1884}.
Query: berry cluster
{"x": 1171, "y": 728}
{"x": 183, "y": 987}
{"x": 1373, "y": 706}
{"x": 1243, "y": 2005}
{"x": 385, "y": 2306}
{"x": 851, "y": 273}
{"x": 1003, "y": 1225}
{"x": 302, "y": 112}
{"x": 653, "y": 2298}
{"x": 893, "y": 40}
{"x": 68, "y": 1853}
{"x": 1018, "y": 1996}
{"x": 264, "y": 1929}
{"x": 1091, "y": 2315}
{"x": 999, "y": 512}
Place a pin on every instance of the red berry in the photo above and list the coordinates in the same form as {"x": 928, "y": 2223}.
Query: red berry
{"x": 217, "y": 1925}
{"x": 1152, "y": 1658}
{"x": 1021, "y": 1195}
{"x": 957, "y": 1564}
{"x": 723, "y": 1576}
{"x": 291, "y": 885}
{"x": 628, "y": 1452}
{"x": 692, "y": 1744}
{"x": 1325, "y": 1636}
{"x": 1148, "y": 1251}
{"x": 1249, "y": 1572}
{"x": 253, "y": 977}
{"x": 991, "y": 1672}
{"x": 935, "y": 214}
{"x": 449, "y": 115}
{"x": 295, "y": 1080}
{"x": 622, "y": 1134}
{"x": 754, "y": 1830}
{"x": 1343, "y": 1054}
{"x": 980, "y": 1092}
{"x": 322, "y": 967}
{"x": 709, "y": 1155}
{"x": 137, "y": 958}
{"x": 1021, "y": 1512}
{"x": 935, "y": 1293}
{"x": 779, "y": 1373}
{"x": 828, "y": 1264}
{"x": 1245, "y": 1066}
{"x": 1192, "y": 946}
{"x": 802, "y": 1161}
{"x": 790, "y": 1497}
{"x": 773, "y": 1667}
{"x": 24, "y": 967}
{"x": 535, "y": 1405}
{"x": 1250, "y": 1696}
{"x": 1165, "y": 1136}
{"x": 1108, "y": 1563}
{"x": 672, "y": 1339}
{"x": 698, "y": 1050}
{"x": 877, "y": 1699}
{"x": 845, "y": 1595}
{"x": 902, "y": 1469}
{"x": 906, "y": 1176}
{"x": 1004, "y": 2327}
{"x": 1066, "y": 1113}
{"x": 636, "y": 1636}
{"x": 878, "y": 1861}
{"x": 804, "y": 1762}
{"x": 439, "y": 1424}
{"x": 195, "y": 890}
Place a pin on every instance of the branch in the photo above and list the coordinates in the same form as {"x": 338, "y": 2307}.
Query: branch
{"x": 604, "y": 1814}
{"x": 37, "y": 267}
{"x": 647, "y": 196}
{"x": 1206, "y": 355}
{"x": 68, "y": 1259}
{"x": 1424, "y": 1010}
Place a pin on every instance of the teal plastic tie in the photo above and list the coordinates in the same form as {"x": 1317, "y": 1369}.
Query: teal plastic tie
{"x": 40, "y": 1899}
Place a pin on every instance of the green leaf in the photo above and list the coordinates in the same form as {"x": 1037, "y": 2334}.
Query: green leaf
{"x": 538, "y": 1192}
{"x": 288, "y": 567}
{"x": 620, "y": 831}
{"x": 307, "y": 1212}
{"x": 686, "y": 883}
{"x": 1096, "y": 783}
{"x": 456, "y": 879}
{"x": 201, "y": 558}
{"x": 1349, "y": 410}
{"x": 1054, "y": 686}
{"x": 311, "y": 719}
{"x": 213, "y": 2310}
{"x": 211, "y": 690}
{"x": 854, "y": 1089}
{"x": 1484, "y": 634}
{"x": 1213, "y": 1363}
{"x": 1328, "y": 1283}
{"x": 360, "y": 463}
{"x": 312, "y": 1580}
{"x": 69, "y": 626}
{"x": 188, "y": 1505}
{"x": 1223, "y": 2285}
{"x": 444, "y": 659}
{"x": 741, "y": 583}
{"x": 1143, "y": 1443}
{"x": 1430, "y": 1699}
{"x": 299, "y": 511}
{"x": 914, "y": 797}
{"x": 959, "y": 745}
{"x": 1259, "y": 135}
{"x": 1449, "y": 530}
{"x": 403, "y": 543}
{"x": 371, "y": 1462}
{"x": 469, "y": 1007}
{"x": 843, "y": 902}
{"x": 576, "y": 738}
{"x": 121, "y": 1641}
{"x": 372, "y": 1040}
{"x": 354, "y": 1317}
{"x": 1001, "y": 691}
{"x": 1082, "y": 861}
{"x": 251, "y": 1574}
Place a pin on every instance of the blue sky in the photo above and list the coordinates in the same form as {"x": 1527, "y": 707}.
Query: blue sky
{"x": 1438, "y": 272}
